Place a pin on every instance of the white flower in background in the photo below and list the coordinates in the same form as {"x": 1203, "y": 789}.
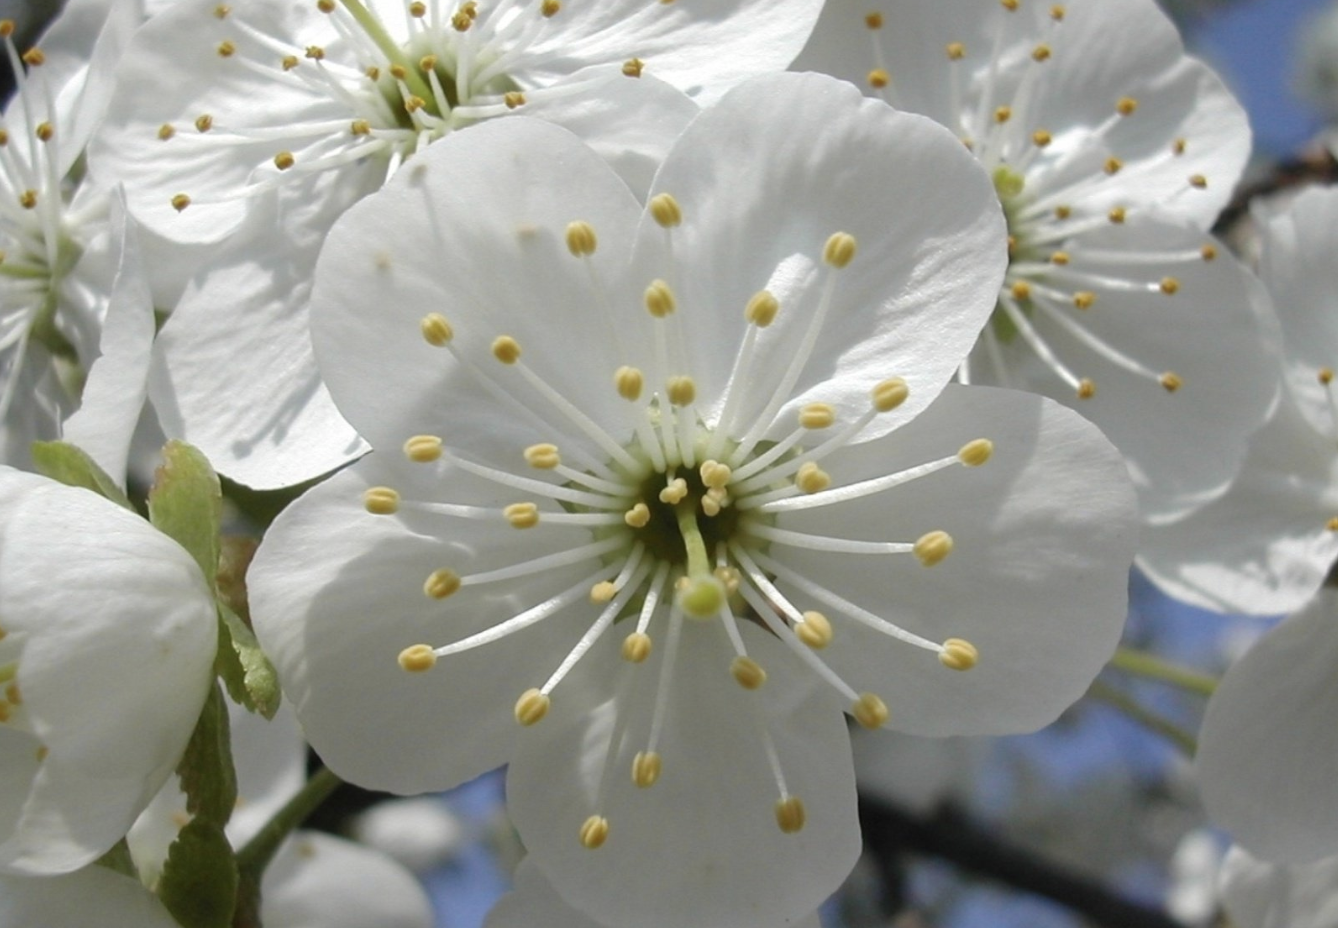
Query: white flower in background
{"x": 1260, "y": 894}
{"x": 1267, "y": 545}
{"x": 107, "y": 640}
{"x": 421, "y": 832}
{"x": 706, "y": 422}
{"x": 1112, "y": 152}
{"x": 91, "y": 896}
{"x": 55, "y": 242}
{"x": 268, "y": 119}
{"x": 1266, "y": 749}
{"x": 533, "y": 901}
{"x": 314, "y": 879}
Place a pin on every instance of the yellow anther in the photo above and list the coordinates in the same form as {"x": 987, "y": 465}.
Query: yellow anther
{"x": 958, "y": 654}
{"x": 1171, "y": 381}
{"x": 441, "y": 583}
{"x": 840, "y": 249}
{"x": 470, "y": 9}
{"x": 815, "y": 631}
{"x": 673, "y": 493}
{"x": 1021, "y": 290}
{"x": 542, "y": 456}
{"x": 869, "y": 711}
{"x": 811, "y": 478}
{"x": 381, "y": 501}
{"x": 594, "y": 832}
{"x": 521, "y": 515}
{"x": 956, "y": 51}
{"x": 45, "y": 131}
{"x": 284, "y": 160}
{"x": 6, "y": 27}
{"x": 879, "y": 78}
{"x": 1057, "y": 12}
{"x": 360, "y": 127}
{"x": 816, "y": 416}
{"x": 646, "y": 768}
{"x": 1084, "y": 299}
{"x": 932, "y": 547}
{"x": 747, "y": 672}
{"x": 1086, "y": 389}
{"x": 1126, "y": 106}
{"x": 413, "y": 104}
{"x": 42, "y": 753}
{"x": 289, "y": 62}
{"x": 1009, "y": 5}
{"x": 603, "y": 591}
{"x": 461, "y": 21}
{"x": 531, "y": 707}
{"x": 226, "y": 49}
{"x": 180, "y": 202}
{"x": 762, "y": 308}
{"x": 659, "y": 299}
{"x": 790, "y": 814}
{"x": 873, "y": 20}
{"x": 427, "y": 63}
{"x": 315, "y": 52}
{"x": 629, "y": 382}
{"x": 550, "y": 7}
{"x": 1332, "y": 524}
{"x": 638, "y": 516}
{"x": 1178, "y": 146}
{"x": 1002, "y": 114}
{"x": 581, "y": 239}
{"x": 1040, "y": 52}
{"x": 1113, "y": 165}
{"x": 506, "y": 349}
{"x": 701, "y": 597}
{"x": 28, "y": 199}
{"x": 976, "y": 453}
{"x": 204, "y": 122}
{"x": 636, "y": 647}
{"x": 890, "y": 394}
{"x": 1208, "y": 252}
{"x": 1059, "y": 257}
{"x": 1063, "y": 212}
{"x": 1169, "y": 286}
{"x": 1325, "y": 375}
{"x": 1040, "y": 138}
{"x": 513, "y": 99}
{"x": 633, "y": 67}
{"x": 1198, "y": 181}
{"x": 730, "y": 577}
{"x": 418, "y": 658}
{"x": 710, "y": 507}
{"x": 165, "y": 131}
{"x": 13, "y": 695}
{"x": 34, "y": 57}
{"x": 437, "y": 332}
{"x": 326, "y": 6}
{"x": 714, "y": 474}
{"x": 417, "y": 9}
{"x": 682, "y": 390}
{"x": 1116, "y": 214}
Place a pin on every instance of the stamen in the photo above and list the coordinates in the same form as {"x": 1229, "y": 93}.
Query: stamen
{"x": 646, "y": 766}
{"x": 436, "y": 330}
{"x": 381, "y": 501}
{"x": 636, "y": 647}
{"x": 976, "y": 453}
{"x": 933, "y": 547}
{"x": 594, "y": 832}
{"x": 418, "y": 658}
{"x": 665, "y": 210}
{"x": 870, "y": 711}
{"x": 814, "y": 631}
{"x": 790, "y": 814}
{"x": 531, "y": 707}
{"x": 581, "y": 239}
{"x": 423, "y": 449}
{"x": 958, "y": 654}
{"x": 522, "y": 515}
{"x": 441, "y": 583}
{"x": 747, "y": 673}
{"x": 629, "y": 382}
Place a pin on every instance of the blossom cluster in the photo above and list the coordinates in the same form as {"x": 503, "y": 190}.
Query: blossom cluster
{"x": 651, "y": 391}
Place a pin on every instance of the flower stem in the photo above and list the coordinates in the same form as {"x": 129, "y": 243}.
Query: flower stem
{"x": 1142, "y": 664}
{"x": 1149, "y": 719}
{"x": 255, "y": 856}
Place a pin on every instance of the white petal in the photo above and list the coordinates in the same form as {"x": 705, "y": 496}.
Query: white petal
{"x": 701, "y": 846}
{"x": 763, "y": 179}
{"x": 92, "y": 896}
{"x": 1263, "y": 894}
{"x": 320, "y": 881}
{"x": 1266, "y": 750}
{"x": 1037, "y": 578}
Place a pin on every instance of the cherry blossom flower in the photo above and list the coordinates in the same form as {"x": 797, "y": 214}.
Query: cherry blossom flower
{"x": 1266, "y": 546}
{"x": 56, "y": 247}
{"x": 705, "y": 422}
{"x": 1112, "y": 152}
{"x": 91, "y": 896}
{"x": 1261, "y": 894}
{"x": 267, "y": 120}
{"x": 106, "y": 654}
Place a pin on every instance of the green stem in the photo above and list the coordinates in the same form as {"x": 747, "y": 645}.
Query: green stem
{"x": 1142, "y": 664}
{"x": 1149, "y": 719}
{"x": 372, "y": 26}
{"x": 255, "y": 856}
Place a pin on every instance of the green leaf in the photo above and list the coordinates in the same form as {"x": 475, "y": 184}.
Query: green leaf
{"x": 63, "y": 462}
{"x": 246, "y": 671}
{"x": 199, "y": 881}
{"x": 186, "y": 504}
{"x": 206, "y": 772}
